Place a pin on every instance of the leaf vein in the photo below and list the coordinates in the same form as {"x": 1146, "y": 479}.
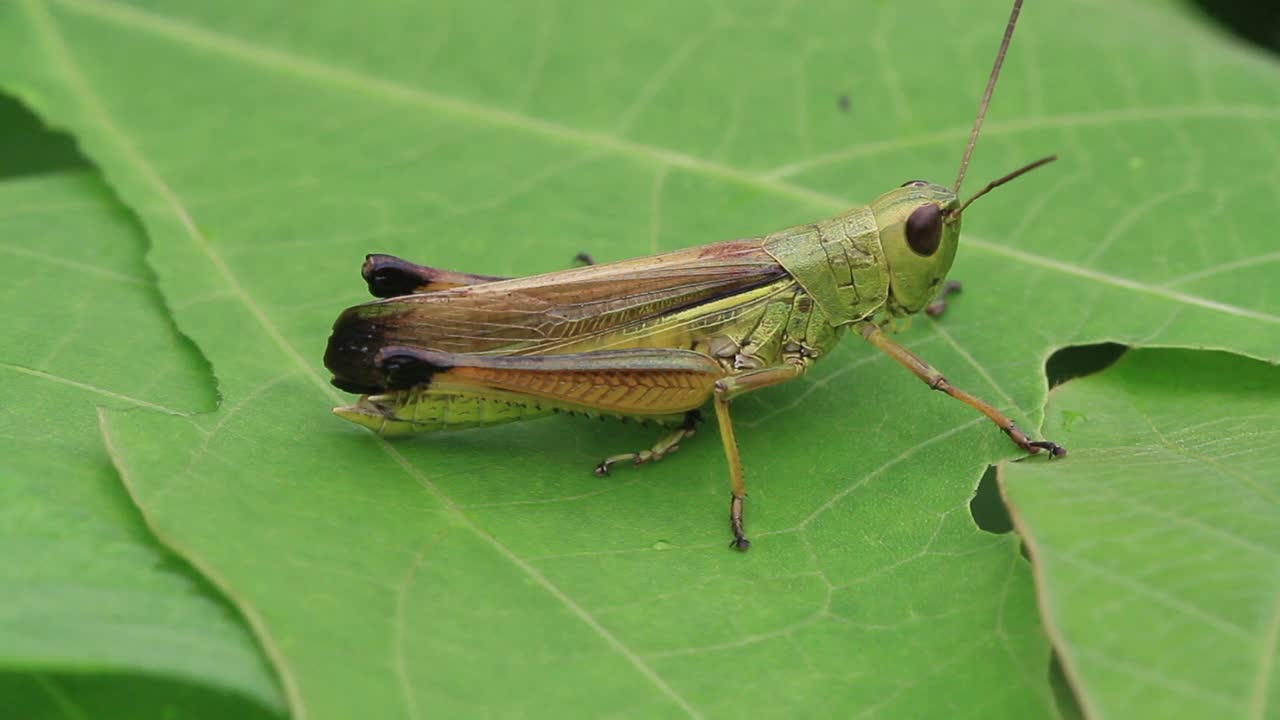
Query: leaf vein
{"x": 1266, "y": 660}
{"x": 91, "y": 388}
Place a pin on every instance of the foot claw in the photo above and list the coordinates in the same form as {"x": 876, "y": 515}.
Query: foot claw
{"x": 1054, "y": 449}
{"x": 740, "y": 544}
{"x": 1033, "y": 446}
{"x": 602, "y": 470}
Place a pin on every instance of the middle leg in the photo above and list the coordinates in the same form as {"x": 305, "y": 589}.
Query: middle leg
{"x": 725, "y": 390}
{"x": 668, "y": 444}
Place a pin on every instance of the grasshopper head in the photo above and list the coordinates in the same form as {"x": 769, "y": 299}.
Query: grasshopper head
{"x": 919, "y": 230}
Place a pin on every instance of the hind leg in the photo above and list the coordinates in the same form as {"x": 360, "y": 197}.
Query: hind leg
{"x": 666, "y": 445}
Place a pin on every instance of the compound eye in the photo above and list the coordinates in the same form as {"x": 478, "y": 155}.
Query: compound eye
{"x": 914, "y": 183}
{"x": 924, "y": 229}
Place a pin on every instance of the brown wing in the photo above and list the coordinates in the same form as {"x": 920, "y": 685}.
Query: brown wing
{"x": 537, "y": 314}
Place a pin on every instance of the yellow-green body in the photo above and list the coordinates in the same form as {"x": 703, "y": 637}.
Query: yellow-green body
{"x": 813, "y": 281}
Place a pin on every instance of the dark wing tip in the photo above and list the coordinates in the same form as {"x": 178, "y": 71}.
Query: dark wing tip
{"x": 388, "y": 276}
{"x": 355, "y": 388}
{"x": 352, "y": 350}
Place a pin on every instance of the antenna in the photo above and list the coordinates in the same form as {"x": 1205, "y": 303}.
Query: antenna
{"x": 986, "y": 97}
{"x": 1000, "y": 181}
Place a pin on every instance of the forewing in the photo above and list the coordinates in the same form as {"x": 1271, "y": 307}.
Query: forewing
{"x": 540, "y": 313}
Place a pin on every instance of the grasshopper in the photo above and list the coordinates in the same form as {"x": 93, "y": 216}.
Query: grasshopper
{"x": 657, "y": 338}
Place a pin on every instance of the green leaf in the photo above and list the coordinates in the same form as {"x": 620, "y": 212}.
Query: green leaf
{"x": 87, "y": 589}
{"x": 37, "y": 696}
{"x": 267, "y": 150}
{"x": 1164, "y": 524}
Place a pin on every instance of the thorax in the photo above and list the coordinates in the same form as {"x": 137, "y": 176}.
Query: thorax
{"x": 838, "y": 262}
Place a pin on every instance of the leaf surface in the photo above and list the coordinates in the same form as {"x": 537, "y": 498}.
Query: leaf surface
{"x": 266, "y": 151}
{"x": 1166, "y": 525}
{"x": 86, "y": 588}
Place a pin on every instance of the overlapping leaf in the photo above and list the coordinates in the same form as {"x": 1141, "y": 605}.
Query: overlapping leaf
{"x": 86, "y": 589}
{"x": 1157, "y": 548}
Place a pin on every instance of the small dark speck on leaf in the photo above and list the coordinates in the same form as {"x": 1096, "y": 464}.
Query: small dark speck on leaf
{"x": 844, "y": 103}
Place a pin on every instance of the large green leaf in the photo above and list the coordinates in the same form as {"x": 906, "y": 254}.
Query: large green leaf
{"x": 86, "y": 589}
{"x": 267, "y": 150}
{"x": 1164, "y": 524}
